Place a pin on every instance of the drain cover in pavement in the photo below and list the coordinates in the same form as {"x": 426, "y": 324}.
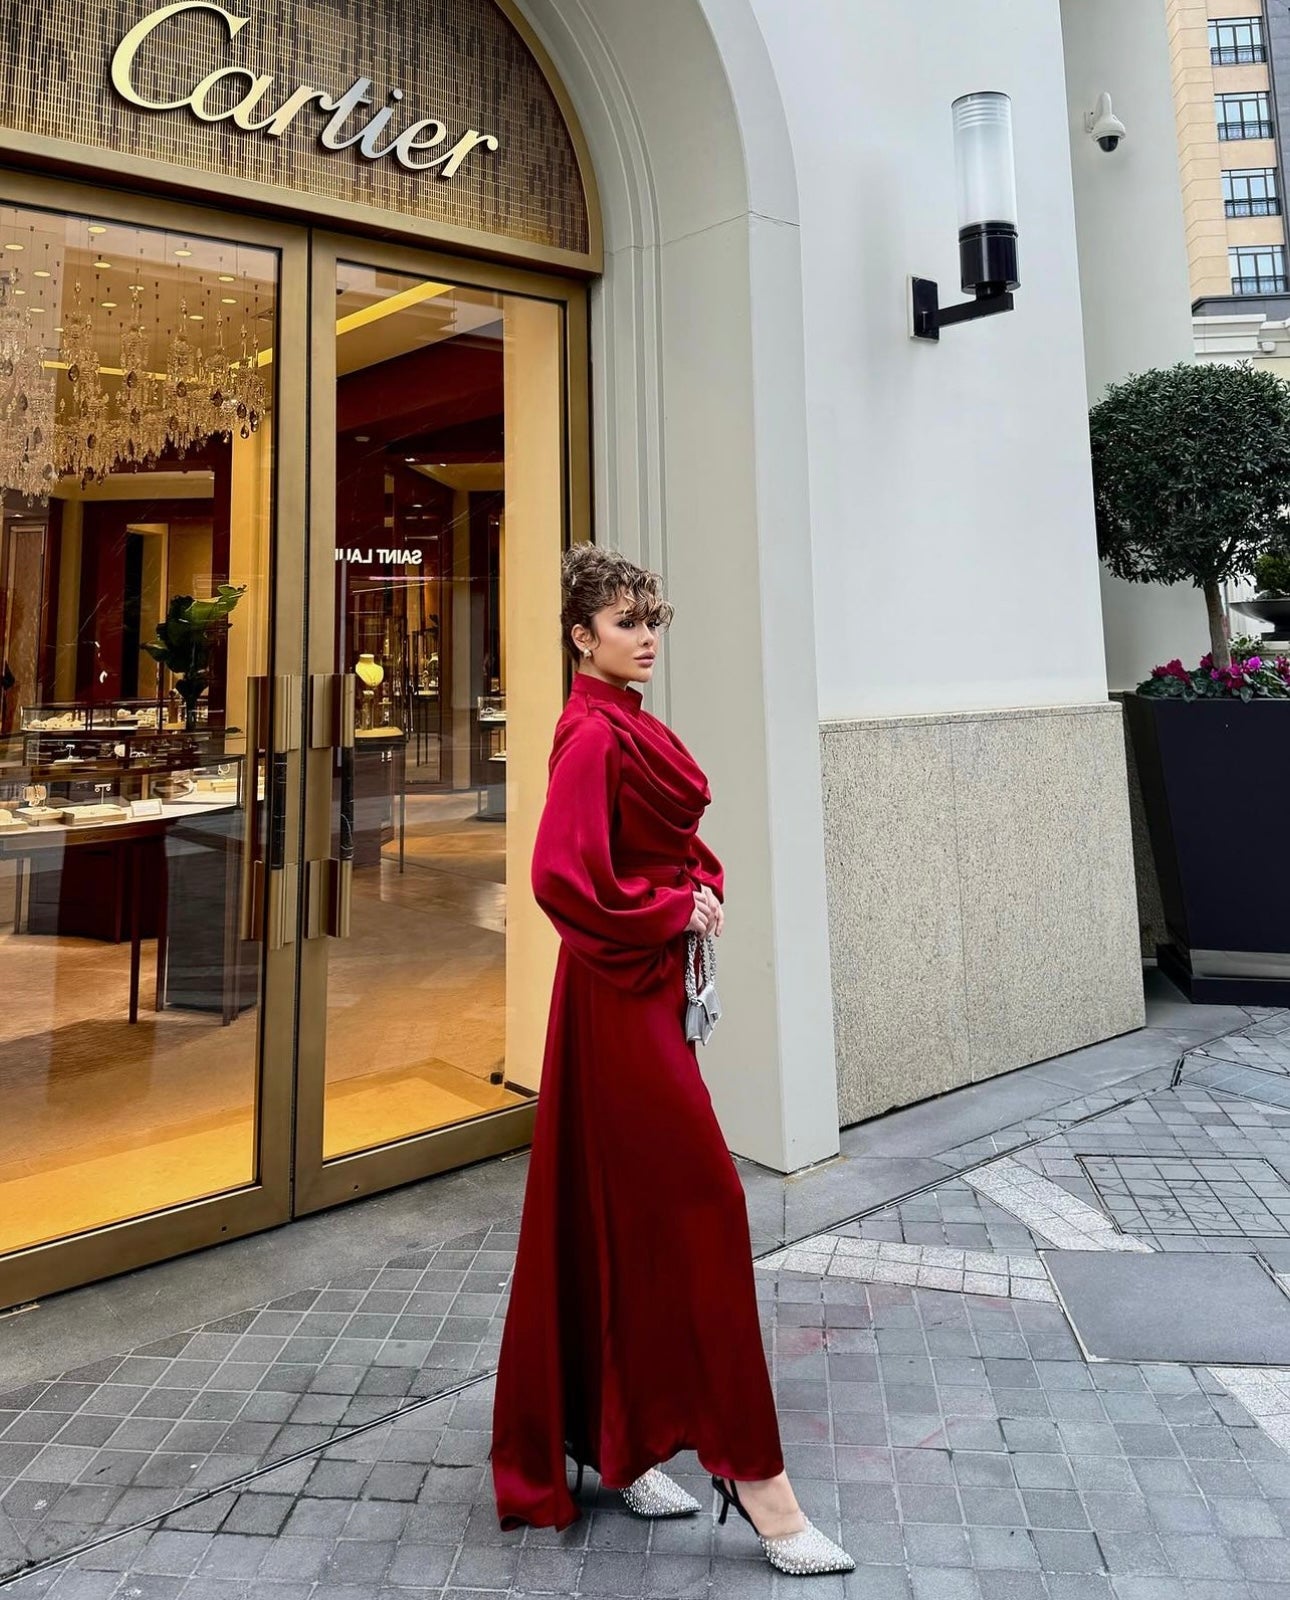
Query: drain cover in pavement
{"x": 1176, "y": 1306}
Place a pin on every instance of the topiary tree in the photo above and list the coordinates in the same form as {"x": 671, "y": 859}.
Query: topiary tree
{"x": 1191, "y": 477}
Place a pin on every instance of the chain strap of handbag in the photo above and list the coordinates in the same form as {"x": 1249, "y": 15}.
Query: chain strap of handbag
{"x": 703, "y": 1005}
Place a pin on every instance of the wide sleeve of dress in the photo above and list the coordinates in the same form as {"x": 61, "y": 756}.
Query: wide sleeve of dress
{"x": 604, "y": 919}
{"x": 704, "y": 868}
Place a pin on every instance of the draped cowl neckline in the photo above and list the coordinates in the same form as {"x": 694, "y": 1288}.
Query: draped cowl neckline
{"x": 663, "y": 771}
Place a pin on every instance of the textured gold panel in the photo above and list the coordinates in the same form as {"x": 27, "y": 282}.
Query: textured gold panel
{"x": 460, "y": 62}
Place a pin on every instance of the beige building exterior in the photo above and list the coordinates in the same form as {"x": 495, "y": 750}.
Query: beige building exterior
{"x": 1228, "y": 149}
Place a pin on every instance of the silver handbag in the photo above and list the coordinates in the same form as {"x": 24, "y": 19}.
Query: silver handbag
{"x": 703, "y": 1005}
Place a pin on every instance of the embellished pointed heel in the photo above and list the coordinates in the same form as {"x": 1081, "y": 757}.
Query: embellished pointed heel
{"x": 656, "y": 1495}
{"x": 652, "y": 1495}
{"x": 801, "y": 1554}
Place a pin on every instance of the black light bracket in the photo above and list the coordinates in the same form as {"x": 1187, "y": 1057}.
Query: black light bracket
{"x": 988, "y": 267}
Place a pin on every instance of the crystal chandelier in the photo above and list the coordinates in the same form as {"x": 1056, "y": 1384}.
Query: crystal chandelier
{"x": 95, "y": 429}
{"x": 26, "y": 402}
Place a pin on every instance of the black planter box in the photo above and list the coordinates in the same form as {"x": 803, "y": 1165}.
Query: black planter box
{"x": 1214, "y": 777}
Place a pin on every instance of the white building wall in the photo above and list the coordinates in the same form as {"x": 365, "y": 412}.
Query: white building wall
{"x": 888, "y": 651}
{"x": 955, "y": 563}
{"x": 1133, "y": 274}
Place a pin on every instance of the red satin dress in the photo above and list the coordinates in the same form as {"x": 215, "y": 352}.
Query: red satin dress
{"x": 632, "y": 1330}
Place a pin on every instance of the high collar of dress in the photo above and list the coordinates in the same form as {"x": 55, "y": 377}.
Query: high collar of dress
{"x": 598, "y": 689}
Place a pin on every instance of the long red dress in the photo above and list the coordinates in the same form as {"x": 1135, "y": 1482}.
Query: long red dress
{"x": 632, "y": 1330}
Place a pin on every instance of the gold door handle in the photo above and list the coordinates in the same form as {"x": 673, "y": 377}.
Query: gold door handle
{"x": 272, "y": 729}
{"x": 329, "y": 880}
{"x": 283, "y": 872}
{"x": 252, "y": 864}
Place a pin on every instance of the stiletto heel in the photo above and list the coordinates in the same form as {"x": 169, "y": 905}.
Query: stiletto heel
{"x": 570, "y": 1451}
{"x": 800, "y": 1554}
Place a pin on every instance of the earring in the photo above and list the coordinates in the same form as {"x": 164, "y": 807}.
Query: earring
{"x": 586, "y": 652}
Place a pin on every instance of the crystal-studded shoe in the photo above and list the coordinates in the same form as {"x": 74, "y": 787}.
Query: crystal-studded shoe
{"x": 654, "y": 1494}
{"x": 801, "y": 1554}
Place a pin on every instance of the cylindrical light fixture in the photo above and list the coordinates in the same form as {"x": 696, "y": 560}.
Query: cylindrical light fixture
{"x": 987, "y": 193}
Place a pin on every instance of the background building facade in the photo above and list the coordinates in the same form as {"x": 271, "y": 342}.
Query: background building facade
{"x": 1231, "y": 147}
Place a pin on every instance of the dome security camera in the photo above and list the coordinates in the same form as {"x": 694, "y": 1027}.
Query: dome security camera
{"x": 1104, "y": 126}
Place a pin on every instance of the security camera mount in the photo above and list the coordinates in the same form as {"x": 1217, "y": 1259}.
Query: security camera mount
{"x": 1102, "y": 124}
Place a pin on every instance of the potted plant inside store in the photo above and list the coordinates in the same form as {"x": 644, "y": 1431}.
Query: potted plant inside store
{"x": 1272, "y": 575}
{"x": 1191, "y": 469}
{"x": 186, "y": 640}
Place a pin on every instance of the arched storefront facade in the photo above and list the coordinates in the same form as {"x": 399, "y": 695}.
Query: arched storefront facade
{"x": 488, "y": 278}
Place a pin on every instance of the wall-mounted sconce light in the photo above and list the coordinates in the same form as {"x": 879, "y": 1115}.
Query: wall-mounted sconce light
{"x": 987, "y": 194}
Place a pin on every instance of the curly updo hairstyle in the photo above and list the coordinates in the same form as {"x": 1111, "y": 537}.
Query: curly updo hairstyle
{"x": 592, "y": 577}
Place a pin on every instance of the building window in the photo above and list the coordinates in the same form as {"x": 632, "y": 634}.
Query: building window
{"x": 1236, "y": 41}
{"x": 1243, "y": 116}
{"x": 1251, "y": 192}
{"x": 1258, "y": 269}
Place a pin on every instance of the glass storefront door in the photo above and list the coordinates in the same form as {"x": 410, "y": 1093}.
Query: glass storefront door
{"x": 437, "y": 521}
{"x": 279, "y": 661}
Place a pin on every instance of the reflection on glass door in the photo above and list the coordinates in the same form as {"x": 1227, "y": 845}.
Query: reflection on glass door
{"x": 136, "y": 454}
{"x": 449, "y": 515}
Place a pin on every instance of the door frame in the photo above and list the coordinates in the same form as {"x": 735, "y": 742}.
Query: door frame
{"x": 192, "y": 1225}
{"x": 291, "y": 1178}
{"x": 318, "y": 1183}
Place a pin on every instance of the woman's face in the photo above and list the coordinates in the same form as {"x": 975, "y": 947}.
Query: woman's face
{"x": 622, "y": 652}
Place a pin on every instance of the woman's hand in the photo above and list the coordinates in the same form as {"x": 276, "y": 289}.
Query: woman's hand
{"x": 709, "y": 915}
{"x": 701, "y": 919}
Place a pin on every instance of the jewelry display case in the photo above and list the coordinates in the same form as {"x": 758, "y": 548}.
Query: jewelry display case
{"x": 490, "y": 756}
{"x": 132, "y": 744}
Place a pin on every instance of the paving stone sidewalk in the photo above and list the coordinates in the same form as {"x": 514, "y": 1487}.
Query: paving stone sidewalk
{"x": 332, "y": 1444}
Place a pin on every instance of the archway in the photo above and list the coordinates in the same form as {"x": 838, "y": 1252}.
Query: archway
{"x": 701, "y": 473}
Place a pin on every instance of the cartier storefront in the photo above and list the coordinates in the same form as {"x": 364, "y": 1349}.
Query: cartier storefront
{"x": 293, "y": 430}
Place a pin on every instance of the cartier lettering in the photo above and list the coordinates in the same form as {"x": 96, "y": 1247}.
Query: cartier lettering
{"x": 258, "y": 108}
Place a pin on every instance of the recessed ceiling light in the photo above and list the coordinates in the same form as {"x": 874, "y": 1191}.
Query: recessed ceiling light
{"x": 37, "y": 310}
{"x": 97, "y": 227}
{"x": 106, "y": 264}
{"x": 409, "y": 458}
{"x": 40, "y": 272}
{"x": 227, "y": 277}
{"x": 15, "y": 247}
{"x": 362, "y": 438}
{"x": 108, "y": 305}
{"x": 20, "y": 291}
{"x": 59, "y": 328}
{"x": 228, "y": 300}
{"x": 137, "y": 286}
{"x": 196, "y": 316}
{"x": 183, "y": 252}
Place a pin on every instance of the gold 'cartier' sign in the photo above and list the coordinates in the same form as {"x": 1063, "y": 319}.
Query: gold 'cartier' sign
{"x": 253, "y": 110}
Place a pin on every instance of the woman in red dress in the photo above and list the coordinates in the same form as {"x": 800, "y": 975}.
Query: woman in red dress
{"x": 632, "y": 1329}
